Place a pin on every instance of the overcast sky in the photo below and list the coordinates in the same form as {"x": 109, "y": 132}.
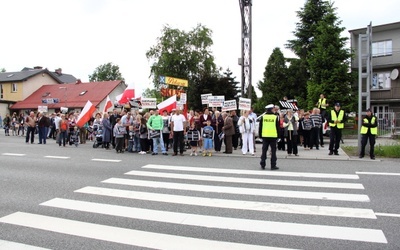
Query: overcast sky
{"x": 80, "y": 35}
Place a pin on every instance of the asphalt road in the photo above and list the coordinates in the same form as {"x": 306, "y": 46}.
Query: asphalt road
{"x": 85, "y": 198}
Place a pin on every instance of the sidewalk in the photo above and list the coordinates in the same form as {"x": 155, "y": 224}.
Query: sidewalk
{"x": 321, "y": 154}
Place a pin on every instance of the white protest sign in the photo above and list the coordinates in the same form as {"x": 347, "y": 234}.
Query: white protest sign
{"x": 42, "y": 109}
{"x": 149, "y": 103}
{"x": 204, "y": 98}
{"x": 244, "y": 103}
{"x": 229, "y": 105}
{"x": 216, "y": 101}
{"x": 183, "y": 98}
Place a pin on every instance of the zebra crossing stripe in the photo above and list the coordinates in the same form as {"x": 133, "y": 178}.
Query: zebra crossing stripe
{"x": 4, "y": 245}
{"x": 233, "y": 204}
{"x": 249, "y": 180}
{"x": 120, "y": 235}
{"x": 253, "y": 172}
{"x": 244, "y": 191}
{"x": 105, "y": 160}
{"x": 258, "y": 226}
{"x": 378, "y": 173}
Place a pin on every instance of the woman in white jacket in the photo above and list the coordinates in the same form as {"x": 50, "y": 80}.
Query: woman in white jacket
{"x": 246, "y": 126}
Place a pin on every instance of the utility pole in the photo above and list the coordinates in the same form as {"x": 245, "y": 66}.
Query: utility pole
{"x": 364, "y": 54}
{"x": 245, "y": 60}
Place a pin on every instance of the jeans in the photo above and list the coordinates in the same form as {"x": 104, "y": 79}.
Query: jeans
{"x": 158, "y": 141}
{"x": 30, "y": 133}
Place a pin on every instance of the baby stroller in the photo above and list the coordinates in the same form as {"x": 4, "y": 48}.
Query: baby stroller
{"x": 98, "y": 136}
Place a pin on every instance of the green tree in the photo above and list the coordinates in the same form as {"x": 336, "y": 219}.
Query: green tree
{"x": 185, "y": 55}
{"x": 152, "y": 93}
{"x": 2, "y": 70}
{"x": 296, "y": 79}
{"x": 305, "y": 33}
{"x": 106, "y": 72}
{"x": 274, "y": 85}
{"x": 329, "y": 61}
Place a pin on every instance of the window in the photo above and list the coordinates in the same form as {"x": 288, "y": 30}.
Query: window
{"x": 1, "y": 91}
{"x": 381, "y": 80}
{"x": 382, "y": 48}
{"x": 14, "y": 87}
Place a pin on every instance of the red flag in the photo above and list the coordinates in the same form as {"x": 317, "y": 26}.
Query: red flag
{"x": 128, "y": 94}
{"x": 108, "y": 104}
{"x": 168, "y": 104}
{"x": 86, "y": 114}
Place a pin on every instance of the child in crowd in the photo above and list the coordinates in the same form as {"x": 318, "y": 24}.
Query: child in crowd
{"x": 193, "y": 136}
{"x": 74, "y": 137}
{"x": 208, "y": 135}
{"x": 307, "y": 124}
{"x": 131, "y": 135}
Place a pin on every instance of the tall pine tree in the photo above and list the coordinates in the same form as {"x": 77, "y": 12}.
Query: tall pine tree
{"x": 274, "y": 85}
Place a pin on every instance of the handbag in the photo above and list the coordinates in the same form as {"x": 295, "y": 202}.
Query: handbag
{"x": 221, "y": 136}
{"x": 155, "y": 134}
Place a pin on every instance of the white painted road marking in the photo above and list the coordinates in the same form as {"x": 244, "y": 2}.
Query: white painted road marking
{"x": 245, "y": 191}
{"x": 378, "y": 173}
{"x": 119, "y": 235}
{"x": 254, "y": 172}
{"x": 249, "y": 180}
{"x": 232, "y": 204}
{"x": 12, "y": 154}
{"x": 388, "y": 215}
{"x": 9, "y": 245}
{"x": 57, "y": 157}
{"x": 106, "y": 160}
{"x": 269, "y": 227}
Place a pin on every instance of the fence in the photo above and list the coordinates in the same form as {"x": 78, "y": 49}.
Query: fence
{"x": 388, "y": 124}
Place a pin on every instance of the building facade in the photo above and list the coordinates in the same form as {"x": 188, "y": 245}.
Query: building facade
{"x": 385, "y": 82}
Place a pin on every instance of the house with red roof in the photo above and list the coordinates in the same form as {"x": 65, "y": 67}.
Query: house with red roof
{"x": 72, "y": 96}
{"x": 17, "y": 85}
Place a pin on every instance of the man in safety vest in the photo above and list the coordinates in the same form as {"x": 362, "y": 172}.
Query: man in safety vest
{"x": 369, "y": 129}
{"x": 268, "y": 131}
{"x": 336, "y": 120}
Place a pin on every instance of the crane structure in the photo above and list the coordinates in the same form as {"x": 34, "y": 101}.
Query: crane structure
{"x": 245, "y": 60}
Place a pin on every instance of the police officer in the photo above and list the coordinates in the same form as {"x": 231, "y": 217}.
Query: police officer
{"x": 336, "y": 122}
{"x": 268, "y": 131}
{"x": 369, "y": 130}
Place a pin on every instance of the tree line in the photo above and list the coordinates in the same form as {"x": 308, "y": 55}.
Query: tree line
{"x": 322, "y": 64}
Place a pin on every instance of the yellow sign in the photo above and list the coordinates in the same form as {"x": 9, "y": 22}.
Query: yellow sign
{"x": 176, "y": 81}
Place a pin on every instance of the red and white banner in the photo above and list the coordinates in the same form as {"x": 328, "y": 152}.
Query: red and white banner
{"x": 168, "y": 104}
{"x": 86, "y": 114}
{"x": 107, "y": 105}
{"x": 128, "y": 94}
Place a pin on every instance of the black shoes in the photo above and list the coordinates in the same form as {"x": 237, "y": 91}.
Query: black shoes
{"x": 262, "y": 167}
{"x": 336, "y": 153}
{"x": 154, "y": 153}
{"x": 274, "y": 168}
{"x": 330, "y": 152}
{"x": 372, "y": 157}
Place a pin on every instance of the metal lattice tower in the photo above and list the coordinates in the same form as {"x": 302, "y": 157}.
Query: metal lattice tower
{"x": 245, "y": 60}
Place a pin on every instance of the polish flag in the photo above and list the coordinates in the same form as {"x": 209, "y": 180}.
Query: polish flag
{"x": 128, "y": 94}
{"x": 168, "y": 104}
{"x": 108, "y": 104}
{"x": 86, "y": 114}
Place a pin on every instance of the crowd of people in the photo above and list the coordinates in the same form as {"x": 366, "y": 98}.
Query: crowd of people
{"x": 202, "y": 132}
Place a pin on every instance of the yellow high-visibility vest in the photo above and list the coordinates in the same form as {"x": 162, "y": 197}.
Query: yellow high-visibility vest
{"x": 269, "y": 126}
{"x": 364, "y": 129}
{"x": 320, "y": 102}
{"x": 339, "y": 125}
